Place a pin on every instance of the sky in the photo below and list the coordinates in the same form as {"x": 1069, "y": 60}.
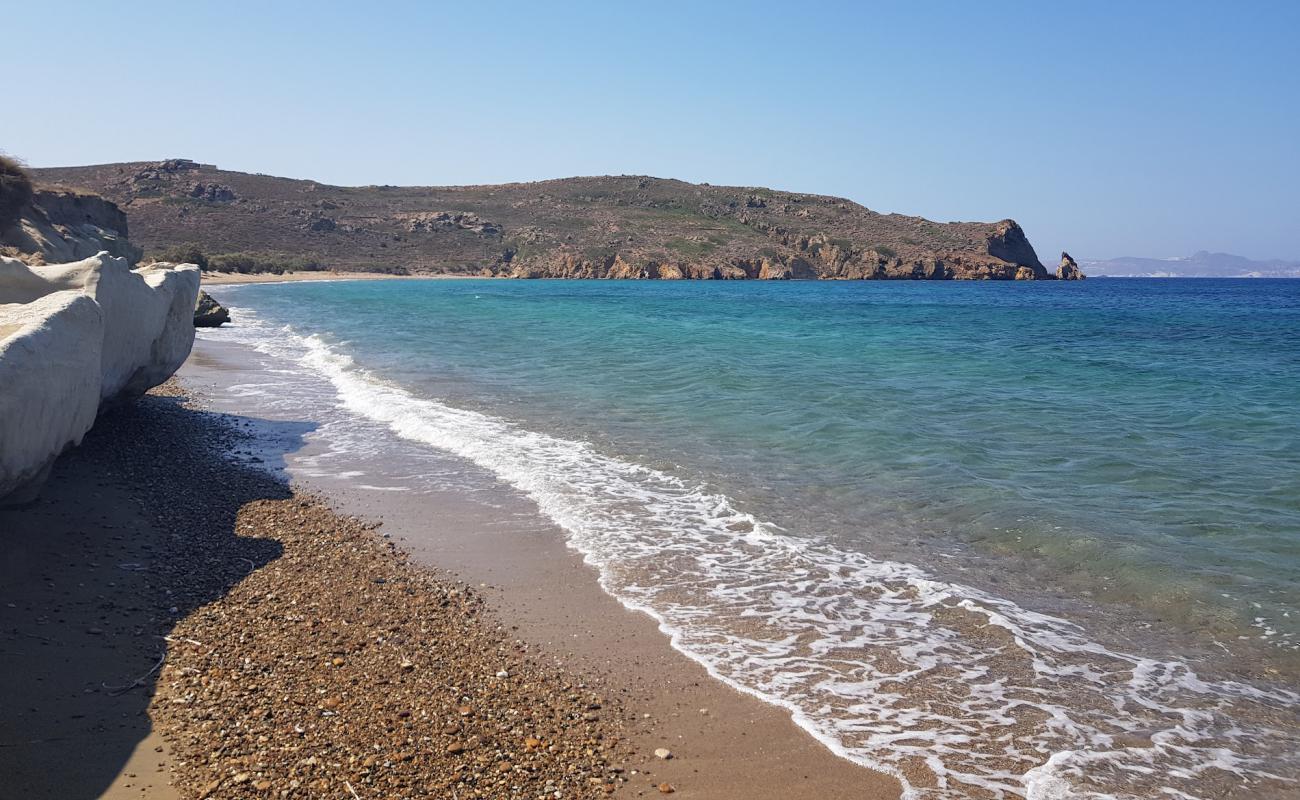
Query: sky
{"x": 1135, "y": 128}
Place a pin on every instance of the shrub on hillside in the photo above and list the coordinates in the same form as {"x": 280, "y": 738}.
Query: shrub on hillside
{"x": 244, "y": 263}
{"x": 15, "y": 190}
{"x": 182, "y": 254}
{"x": 250, "y": 263}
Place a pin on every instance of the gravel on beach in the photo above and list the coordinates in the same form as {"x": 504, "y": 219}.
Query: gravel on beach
{"x": 308, "y": 657}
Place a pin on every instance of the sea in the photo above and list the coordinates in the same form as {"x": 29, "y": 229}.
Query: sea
{"x": 997, "y": 539}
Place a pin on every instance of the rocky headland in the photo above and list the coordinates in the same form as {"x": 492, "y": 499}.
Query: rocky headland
{"x": 592, "y": 227}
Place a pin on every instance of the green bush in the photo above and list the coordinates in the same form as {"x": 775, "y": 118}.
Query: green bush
{"x": 182, "y": 254}
{"x": 250, "y": 263}
{"x": 244, "y": 263}
{"x": 15, "y": 190}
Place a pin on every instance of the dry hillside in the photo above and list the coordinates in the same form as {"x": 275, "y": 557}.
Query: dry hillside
{"x": 620, "y": 227}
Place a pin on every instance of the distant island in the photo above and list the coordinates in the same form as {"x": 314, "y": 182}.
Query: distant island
{"x": 593, "y": 227}
{"x": 1198, "y": 265}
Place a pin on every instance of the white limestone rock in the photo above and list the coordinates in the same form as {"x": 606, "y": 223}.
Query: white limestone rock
{"x": 55, "y": 363}
{"x": 148, "y": 314}
{"x": 49, "y": 385}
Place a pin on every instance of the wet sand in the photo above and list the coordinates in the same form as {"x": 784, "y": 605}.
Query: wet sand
{"x": 109, "y": 580}
{"x": 726, "y": 744}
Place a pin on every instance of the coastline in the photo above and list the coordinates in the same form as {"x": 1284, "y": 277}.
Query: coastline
{"x": 293, "y": 651}
{"x": 725, "y": 743}
{"x": 109, "y": 707}
{"x": 237, "y": 278}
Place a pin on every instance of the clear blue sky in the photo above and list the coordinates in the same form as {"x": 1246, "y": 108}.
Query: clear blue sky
{"x": 1128, "y": 129}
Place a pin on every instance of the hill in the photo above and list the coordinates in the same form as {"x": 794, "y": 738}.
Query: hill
{"x": 617, "y": 227}
{"x": 1202, "y": 264}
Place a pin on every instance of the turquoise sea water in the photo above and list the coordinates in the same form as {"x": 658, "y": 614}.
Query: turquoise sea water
{"x": 793, "y": 475}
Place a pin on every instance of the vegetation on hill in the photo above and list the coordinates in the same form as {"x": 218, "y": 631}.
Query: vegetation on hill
{"x": 246, "y": 263}
{"x": 15, "y": 190}
{"x": 598, "y": 227}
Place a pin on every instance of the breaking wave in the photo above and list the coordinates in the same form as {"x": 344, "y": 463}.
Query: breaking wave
{"x": 952, "y": 690}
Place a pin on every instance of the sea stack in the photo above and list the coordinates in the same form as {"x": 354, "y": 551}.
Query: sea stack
{"x": 1069, "y": 271}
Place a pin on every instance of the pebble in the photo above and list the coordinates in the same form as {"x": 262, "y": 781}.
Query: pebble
{"x": 664, "y": 753}
{"x": 284, "y": 586}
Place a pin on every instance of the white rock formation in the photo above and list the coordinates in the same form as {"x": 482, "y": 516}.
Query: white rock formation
{"x": 49, "y": 384}
{"x": 75, "y": 338}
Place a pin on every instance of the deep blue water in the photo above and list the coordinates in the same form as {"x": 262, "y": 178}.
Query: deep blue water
{"x": 1132, "y": 442}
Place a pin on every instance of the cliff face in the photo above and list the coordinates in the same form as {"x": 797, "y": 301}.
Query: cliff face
{"x": 75, "y": 338}
{"x": 59, "y": 225}
{"x": 598, "y": 227}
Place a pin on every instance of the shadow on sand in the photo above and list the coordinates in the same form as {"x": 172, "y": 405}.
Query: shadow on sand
{"x": 135, "y": 529}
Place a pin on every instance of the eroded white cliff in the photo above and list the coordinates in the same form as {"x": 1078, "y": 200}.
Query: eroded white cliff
{"x": 49, "y": 384}
{"x": 75, "y": 338}
{"x": 61, "y": 225}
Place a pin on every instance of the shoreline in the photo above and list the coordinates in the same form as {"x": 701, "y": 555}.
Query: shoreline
{"x": 165, "y": 640}
{"x": 487, "y": 526}
{"x": 122, "y": 580}
{"x": 240, "y": 278}
{"x": 725, "y": 743}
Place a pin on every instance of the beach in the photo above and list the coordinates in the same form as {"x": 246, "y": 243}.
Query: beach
{"x": 173, "y": 613}
{"x": 394, "y": 433}
{"x": 775, "y": 475}
{"x": 405, "y": 539}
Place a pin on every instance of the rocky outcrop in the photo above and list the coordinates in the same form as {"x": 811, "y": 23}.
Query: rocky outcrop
{"x": 208, "y": 313}
{"x": 1008, "y": 242}
{"x": 770, "y": 270}
{"x": 1069, "y": 271}
{"x": 76, "y": 338}
{"x": 60, "y": 225}
{"x": 212, "y": 192}
{"x": 448, "y": 220}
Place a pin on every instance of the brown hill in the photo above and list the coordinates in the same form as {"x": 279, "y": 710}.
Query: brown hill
{"x": 597, "y": 227}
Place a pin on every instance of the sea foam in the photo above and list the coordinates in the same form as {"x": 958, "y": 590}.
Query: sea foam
{"x": 954, "y": 691}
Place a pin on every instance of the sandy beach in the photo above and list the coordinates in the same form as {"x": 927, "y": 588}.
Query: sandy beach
{"x": 188, "y": 641}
